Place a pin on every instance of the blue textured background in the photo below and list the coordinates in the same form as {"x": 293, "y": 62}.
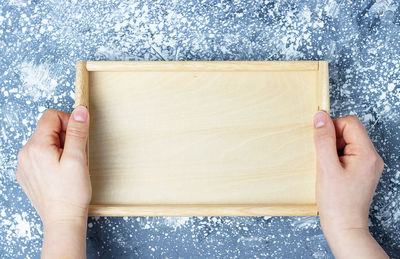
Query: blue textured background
{"x": 40, "y": 41}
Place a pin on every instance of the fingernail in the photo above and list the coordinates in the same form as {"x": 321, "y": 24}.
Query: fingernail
{"x": 320, "y": 119}
{"x": 80, "y": 114}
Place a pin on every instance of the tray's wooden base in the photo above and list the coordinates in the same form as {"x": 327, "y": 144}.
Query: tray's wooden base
{"x": 202, "y": 138}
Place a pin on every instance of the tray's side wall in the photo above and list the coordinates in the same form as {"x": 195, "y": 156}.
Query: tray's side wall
{"x": 172, "y": 210}
{"x": 81, "y": 85}
{"x": 82, "y": 92}
{"x": 323, "y": 86}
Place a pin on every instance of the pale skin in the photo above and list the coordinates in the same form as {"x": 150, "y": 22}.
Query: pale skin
{"x": 348, "y": 172}
{"x": 53, "y": 172}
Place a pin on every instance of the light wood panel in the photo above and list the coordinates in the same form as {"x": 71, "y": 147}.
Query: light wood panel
{"x": 203, "y": 138}
{"x": 183, "y": 210}
{"x": 182, "y": 66}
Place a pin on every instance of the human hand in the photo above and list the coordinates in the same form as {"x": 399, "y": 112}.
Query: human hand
{"x": 349, "y": 169}
{"x": 53, "y": 172}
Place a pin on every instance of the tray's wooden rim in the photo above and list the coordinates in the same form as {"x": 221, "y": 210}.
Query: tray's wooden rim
{"x": 323, "y": 86}
{"x": 204, "y": 210}
{"x": 110, "y": 66}
{"x": 82, "y": 98}
{"x": 83, "y": 68}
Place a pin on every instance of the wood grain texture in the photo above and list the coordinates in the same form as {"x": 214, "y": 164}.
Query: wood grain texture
{"x": 203, "y": 210}
{"x": 81, "y": 85}
{"x": 202, "y": 66}
{"x": 323, "y": 89}
{"x": 227, "y": 138}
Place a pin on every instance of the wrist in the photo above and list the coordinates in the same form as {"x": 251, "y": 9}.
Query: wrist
{"x": 64, "y": 237}
{"x": 336, "y": 233}
{"x": 64, "y": 224}
{"x": 333, "y": 224}
{"x": 339, "y": 236}
{"x": 345, "y": 233}
{"x": 354, "y": 243}
{"x": 64, "y": 214}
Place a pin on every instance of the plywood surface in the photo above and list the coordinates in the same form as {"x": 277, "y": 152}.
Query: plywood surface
{"x": 203, "y": 138}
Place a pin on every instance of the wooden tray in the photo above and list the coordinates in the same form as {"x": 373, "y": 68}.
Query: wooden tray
{"x": 202, "y": 138}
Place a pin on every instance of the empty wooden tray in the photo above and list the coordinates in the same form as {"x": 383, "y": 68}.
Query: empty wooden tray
{"x": 202, "y": 138}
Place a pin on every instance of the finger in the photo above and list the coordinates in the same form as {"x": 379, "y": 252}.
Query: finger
{"x": 325, "y": 141}
{"x": 340, "y": 143}
{"x": 62, "y": 138}
{"x": 77, "y": 133}
{"x": 354, "y": 135}
{"x": 49, "y": 127}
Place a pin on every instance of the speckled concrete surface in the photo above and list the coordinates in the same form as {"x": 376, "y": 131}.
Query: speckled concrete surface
{"x": 40, "y": 41}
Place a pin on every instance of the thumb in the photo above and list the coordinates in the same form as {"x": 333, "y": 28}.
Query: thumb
{"x": 77, "y": 132}
{"x": 325, "y": 140}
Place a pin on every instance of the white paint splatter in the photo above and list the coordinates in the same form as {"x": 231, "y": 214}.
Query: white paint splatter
{"x": 391, "y": 87}
{"x": 396, "y": 215}
{"x": 22, "y": 227}
{"x": 17, "y": 2}
{"x": 332, "y": 8}
{"x": 175, "y": 222}
{"x": 37, "y": 80}
{"x": 381, "y": 6}
{"x": 305, "y": 222}
{"x": 251, "y": 241}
